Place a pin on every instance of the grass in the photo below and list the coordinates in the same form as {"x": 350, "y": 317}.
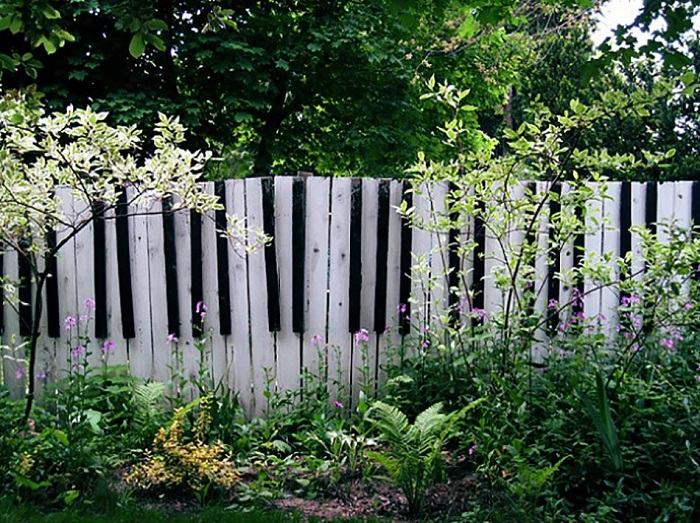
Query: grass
{"x": 12, "y": 513}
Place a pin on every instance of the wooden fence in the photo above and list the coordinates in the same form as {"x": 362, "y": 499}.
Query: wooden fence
{"x": 340, "y": 263}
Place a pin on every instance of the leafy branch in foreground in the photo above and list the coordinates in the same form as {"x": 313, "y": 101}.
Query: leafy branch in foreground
{"x": 60, "y": 172}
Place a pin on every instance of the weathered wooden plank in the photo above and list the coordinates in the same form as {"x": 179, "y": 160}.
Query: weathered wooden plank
{"x": 338, "y": 340}
{"x": 389, "y": 343}
{"x": 288, "y": 341}
{"x": 141, "y": 348}
{"x": 610, "y": 295}
{"x": 13, "y": 362}
{"x": 263, "y": 349}
{"x": 316, "y": 267}
{"x": 365, "y": 352}
{"x": 594, "y": 249}
{"x": 240, "y": 339}
{"x": 214, "y": 344}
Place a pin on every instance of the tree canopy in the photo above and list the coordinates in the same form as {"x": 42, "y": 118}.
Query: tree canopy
{"x": 329, "y": 86}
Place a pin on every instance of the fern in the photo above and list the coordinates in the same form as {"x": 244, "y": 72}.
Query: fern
{"x": 149, "y": 407}
{"x": 413, "y": 452}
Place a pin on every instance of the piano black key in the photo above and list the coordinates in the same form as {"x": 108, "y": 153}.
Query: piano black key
{"x": 579, "y": 251}
{"x": 354, "y": 296}
{"x": 171, "y": 284}
{"x": 404, "y": 313}
{"x": 298, "y": 254}
{"x": 651, "y": 206}
{"x": 625, "y": 218}
{"x": 479, "y": 260}
{"x": 24, "y": 269}
{"x": 222, "y": 267}
{"x": 650, "y": 220}
{"x": 695, "y": 213}
{"x": 99, "y": 257}
{"x": 554, "y": 265}
{"x": 625, "y": 224}
{"x": 126, "y": 299}
{"x": 196, "y": 276}
{"x": 272, "y": 279}
{"x": 454, "y": 262}
{"x": 382, "y": 256}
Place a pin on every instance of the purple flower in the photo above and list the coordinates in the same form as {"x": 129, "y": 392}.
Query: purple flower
{"x": 19, "y": 374}
{"x": 41, "y": 375}
{"x": 107, "y": 346}
{"x": 479, "y": 313}
{"x": 472, "y": 449}
{"x": 688, "y": 305}
{"x": 337, "y": 404}
{"x": 201, "y": 309}
{"x": 361, "y": 336}
{"x": 77, "y": 352}
{"x": 83, "y": 318}
{"x": 401, "y": 308}
{"x": 69, "y": 323}
{"x": 172, "y": 338}
{"x": 629, "y": 300}
{"x": 316, "y": 340}
{"x": 553, "y": 304}
{"x": 89, "y": 304}
{"x": 667, "y": 342}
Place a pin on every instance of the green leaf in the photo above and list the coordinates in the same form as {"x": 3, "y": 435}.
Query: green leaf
{"x": 6, "y": 62}
{"x": 16, "y": 25}
{"x": 26, "y": 482}
{"x": 5, "y": 22}
{"x": 137, "y": 45}
{"x": 156, "y": 24}
{"x": 155, "y": 41}
{"x": 50, "y": 13}
{"x": 93, "y": 418}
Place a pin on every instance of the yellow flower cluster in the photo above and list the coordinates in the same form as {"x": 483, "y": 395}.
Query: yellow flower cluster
{"x": 177, "y": 464}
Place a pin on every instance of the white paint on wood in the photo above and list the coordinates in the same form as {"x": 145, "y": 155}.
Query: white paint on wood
{"x": 67, "y": 282}
{"x": 263, "y": 342}
{"x": 215, "y": 347}
{"x": 389, "y": 342}
{"x": 610, "y": 295}
{"x": 338, "y": 336}
{"x": 240, "y": 319}
{"x": 365, "y": 353}
{"x": 316, "y": 267}
{"x": 664, "y": 210}
{"x": 141, "y": 348}
{"x": 115, "y": 332}
{"x": 638, "y": 221}
{"x": 13, "y": 363}
{"x": 288, "y": 342}
{"x": 184, "y": 354}
{"x": 593, "y": 242}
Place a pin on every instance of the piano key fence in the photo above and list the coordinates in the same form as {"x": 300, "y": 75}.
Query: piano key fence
{"x": 346, "y": 283}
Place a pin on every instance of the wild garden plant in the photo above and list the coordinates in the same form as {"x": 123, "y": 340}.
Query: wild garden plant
{"x": 411, "y": 453}
{"x": 539, "y": 366}
{"x": 49, "y": 161}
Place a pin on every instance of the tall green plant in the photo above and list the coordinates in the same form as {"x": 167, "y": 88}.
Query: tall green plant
{"x": 412, "y": 452}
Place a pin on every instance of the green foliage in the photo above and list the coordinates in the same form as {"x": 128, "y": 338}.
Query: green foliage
{"x": 412, "y": 453}
{"x": 603, "y": 421}
{"x": 182, "y": 465}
